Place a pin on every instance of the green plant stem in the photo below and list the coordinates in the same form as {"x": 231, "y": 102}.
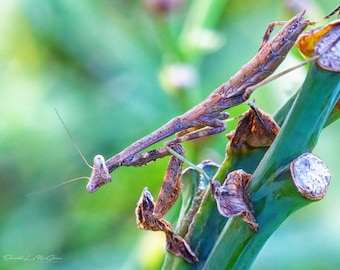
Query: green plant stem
{"x": 275, "y": 197}
{"x": 271, "y": 192}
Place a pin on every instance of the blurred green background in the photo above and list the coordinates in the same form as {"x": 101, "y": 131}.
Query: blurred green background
{"x": 101, "y": 64}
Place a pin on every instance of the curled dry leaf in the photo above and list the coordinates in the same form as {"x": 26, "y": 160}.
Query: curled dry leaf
{"x": 310, "y": 176}
{"x": 232, "y": 197}
{"x": 323, "y": 41}
{"x": 144, "y": 215}
{"x": 328, "y": 48}
{"x": 255, "y": 129}
{"x": 178, "y": 246}
{"x": 146, "y": 220}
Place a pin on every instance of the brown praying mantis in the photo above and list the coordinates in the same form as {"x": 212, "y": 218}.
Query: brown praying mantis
{"x": 207, "y": 117}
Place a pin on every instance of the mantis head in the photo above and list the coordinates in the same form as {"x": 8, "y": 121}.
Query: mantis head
{"x": 100, "y": 174}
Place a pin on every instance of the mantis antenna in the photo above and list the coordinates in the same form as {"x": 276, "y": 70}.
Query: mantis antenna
{"x": 81, "y": 155}
{"x": 55, "y": 186}
{"x": 73, "y": 141}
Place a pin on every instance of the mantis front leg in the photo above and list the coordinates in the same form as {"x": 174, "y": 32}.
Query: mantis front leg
{"x": 150, "y": 215}
{"x": 205, "y": 125}
{"x": 170, "y": 189}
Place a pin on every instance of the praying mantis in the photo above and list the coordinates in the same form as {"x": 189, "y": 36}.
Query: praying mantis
{"x": 205, "y": 119}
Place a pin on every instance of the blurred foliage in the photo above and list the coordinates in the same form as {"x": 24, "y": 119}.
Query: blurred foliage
{"x": 100, "y": 63}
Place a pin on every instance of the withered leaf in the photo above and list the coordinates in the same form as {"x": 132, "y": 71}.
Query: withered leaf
{"x": 144, "y": 215}
{"x": 328, "y": 47}
{"x": 255, "y": 129}
{"x": 325, "y": 42}
{"x": 232, "y": 197}
{"x": 178, "y": 246}
{"x": 146, "y": 220}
